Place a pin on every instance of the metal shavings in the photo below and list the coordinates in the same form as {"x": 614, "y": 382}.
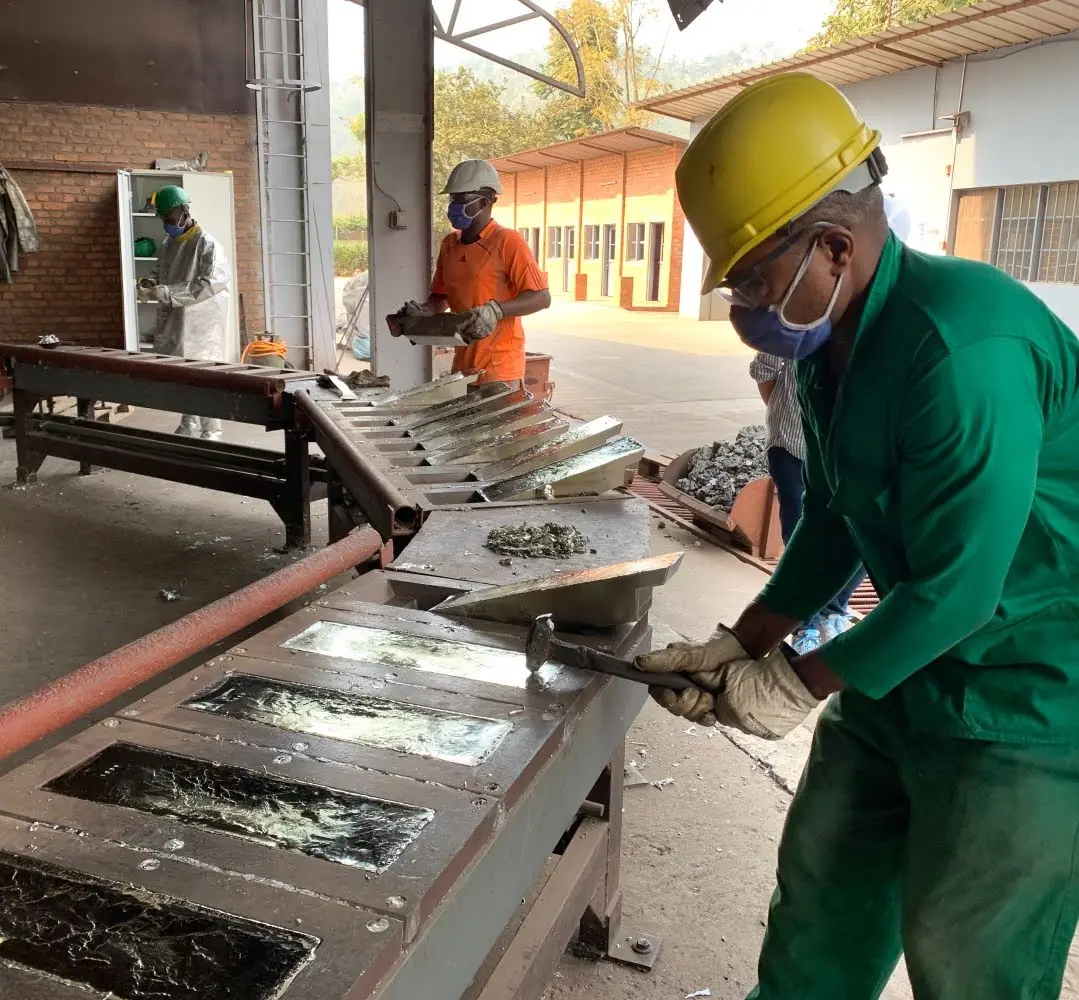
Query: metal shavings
{"x": 706, "y": 992}
{"x": 48, "y": 340}
{"x": 169, "y": 596}
{"x": 545, "y": 541}
{"x": 717, "y": 473}
{"x": 662, "y": 783}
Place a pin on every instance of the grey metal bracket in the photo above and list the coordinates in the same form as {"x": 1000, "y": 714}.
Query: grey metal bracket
{"x": 448, "y": 33}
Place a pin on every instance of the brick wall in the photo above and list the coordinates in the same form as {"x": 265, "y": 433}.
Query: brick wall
{"x": 72, "y": 287}
{"x": 530, "y": 207}
{"x": 650, "y": 198}
{"x": 603, "y": 206}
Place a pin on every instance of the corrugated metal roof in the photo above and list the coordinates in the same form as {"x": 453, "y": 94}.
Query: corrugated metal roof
{"x": 590, "y": 147}
{"x": 981, "y": 27}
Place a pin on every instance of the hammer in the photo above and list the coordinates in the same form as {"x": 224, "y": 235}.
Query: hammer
{"x": 542, "y": 645}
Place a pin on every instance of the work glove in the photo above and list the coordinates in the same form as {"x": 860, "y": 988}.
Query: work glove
{"x": 410, "y": 308}
{"x": 764, "y": 698}
{"x": 704, "y": 663}
{"x": 146, "y": 293}
{"x": 481, "y": 321}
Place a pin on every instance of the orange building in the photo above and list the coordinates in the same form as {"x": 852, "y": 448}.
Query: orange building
{"x": 601, "y": 215}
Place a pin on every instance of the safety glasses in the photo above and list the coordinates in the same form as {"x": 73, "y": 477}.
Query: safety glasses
{"x": 747, "y": 287}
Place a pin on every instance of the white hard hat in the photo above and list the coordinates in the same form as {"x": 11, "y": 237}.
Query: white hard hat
{"x": 472, "y": 175}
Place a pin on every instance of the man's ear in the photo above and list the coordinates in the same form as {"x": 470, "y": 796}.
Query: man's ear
{"x": 840, "y": 244}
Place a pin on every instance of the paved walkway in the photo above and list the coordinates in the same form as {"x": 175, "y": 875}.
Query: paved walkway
{"x": 676, "y": 383}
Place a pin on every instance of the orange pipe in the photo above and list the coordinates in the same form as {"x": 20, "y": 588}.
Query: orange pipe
{"x": 69, "y": 698}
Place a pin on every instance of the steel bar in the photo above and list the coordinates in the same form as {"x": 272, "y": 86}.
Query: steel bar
{"x": 359, "y": 473}
{"x": 50, "y": 708}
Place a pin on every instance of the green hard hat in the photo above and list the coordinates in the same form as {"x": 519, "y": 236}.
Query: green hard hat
{"x": 168, "y": 197}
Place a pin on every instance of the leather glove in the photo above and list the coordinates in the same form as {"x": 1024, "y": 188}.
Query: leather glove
{"x": 410, "y": 308}
{"x": 764, "y": 698}
{"x": 147, "y": 282}
{"x": 706, "y": 666}
{"x": 146, "y": 293}
{"x": 481, "y": 321}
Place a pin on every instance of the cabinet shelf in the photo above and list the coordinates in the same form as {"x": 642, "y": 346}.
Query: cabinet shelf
{"x": 145, "y": 258}
{"x": 145, "y": 215}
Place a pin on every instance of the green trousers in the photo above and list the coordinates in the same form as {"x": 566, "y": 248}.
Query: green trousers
{"x": 963, "y": 855}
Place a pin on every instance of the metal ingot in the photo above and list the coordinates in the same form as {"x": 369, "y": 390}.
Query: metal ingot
{"x": 337, "y": 715}
{"x": 346, "y": 828}
{"x": 123, "y": 942}
{"x": 590, "y": 598}
{"x": 591, "y": 472}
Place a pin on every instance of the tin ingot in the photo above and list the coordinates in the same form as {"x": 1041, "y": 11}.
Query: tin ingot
{"x": 487, "y": 412}
{"x": 341, "y": 948}
{"x": 407, "y": 843}
{"x": 596, "y": 471}
{"x": 481, "y": 446}
{"x": 519, "y": 407}
{"x": 577, "y": 439}
{"x": 571, "y": 442}
{"x": 475, "y": 400}
{"x": 434, "y": 330}
{"x": 486, "y": 759}
{"x": 448, "y": 387}
{"x": 589, "y": 598}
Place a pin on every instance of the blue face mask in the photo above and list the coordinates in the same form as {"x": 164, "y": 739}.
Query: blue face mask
{"x": 457, "y": 213}
{"x": 766, "y": 329}
{"x": 178, "y": 229}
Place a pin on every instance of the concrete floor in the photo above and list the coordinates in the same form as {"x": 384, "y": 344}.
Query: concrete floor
{"x": 85, "y": 559}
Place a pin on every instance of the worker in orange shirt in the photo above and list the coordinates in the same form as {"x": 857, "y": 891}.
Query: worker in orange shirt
{"x": 486, "y": 271}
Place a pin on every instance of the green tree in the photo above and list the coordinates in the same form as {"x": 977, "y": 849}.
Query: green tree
{"x": 595, "y": 27}
{"x": 352, "y": 166}
{"x": 473, "y": 123}
{"x": 852, "y": 18}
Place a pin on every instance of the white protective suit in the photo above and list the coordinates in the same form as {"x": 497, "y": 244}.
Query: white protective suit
{"x": 192, "y": 314}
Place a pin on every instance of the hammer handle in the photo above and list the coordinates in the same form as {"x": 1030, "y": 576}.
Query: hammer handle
{"x": 592, "y": 659}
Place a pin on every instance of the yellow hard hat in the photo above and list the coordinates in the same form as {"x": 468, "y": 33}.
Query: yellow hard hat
{"x": 765, "y": 158}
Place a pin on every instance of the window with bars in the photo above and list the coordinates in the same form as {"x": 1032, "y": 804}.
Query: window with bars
{"x": 1058, "y": 255}
{"x": 635, "y": 241}
{"x": 1030, "y": 231}
{"x": 554, "y": 241}
{"x": 591, "y": 243}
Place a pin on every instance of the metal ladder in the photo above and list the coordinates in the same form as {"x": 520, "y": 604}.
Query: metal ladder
{"x": 280, "y": 86}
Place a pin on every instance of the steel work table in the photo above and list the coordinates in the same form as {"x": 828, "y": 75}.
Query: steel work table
{"x": 352, "y": 804}
{"x": 289, "y": 481}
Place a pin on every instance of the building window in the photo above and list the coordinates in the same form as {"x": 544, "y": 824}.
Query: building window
{"x": 1030, "y": 231}
{"x": 1058, "y": 256}
{"x": 554, "y": 241}
{"x": 635, "y": 241}
{"x": 1018, "y": 221}
{"x": 535, "y": 242}
{"x": 524, "y": 234}
{"x": 591, "y": 243}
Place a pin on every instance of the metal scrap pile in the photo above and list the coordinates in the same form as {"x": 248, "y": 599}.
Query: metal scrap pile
{"x": 718, "y": 472}
{"x": 545, "y": 541}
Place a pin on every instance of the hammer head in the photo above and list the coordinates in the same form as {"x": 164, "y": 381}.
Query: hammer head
{"x": 538, "y": 644}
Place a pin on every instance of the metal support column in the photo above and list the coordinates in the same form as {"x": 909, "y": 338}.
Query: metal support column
{"x": 399, "y": 47}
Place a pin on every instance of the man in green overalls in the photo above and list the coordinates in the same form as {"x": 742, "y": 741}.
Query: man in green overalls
{"x": 939, "y": 811}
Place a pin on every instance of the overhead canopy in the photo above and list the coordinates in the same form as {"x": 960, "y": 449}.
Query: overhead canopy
{"x": 981, "y": 27}
{"x": 591, "y": 147}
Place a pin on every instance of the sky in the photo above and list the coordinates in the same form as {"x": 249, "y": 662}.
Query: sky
{"x": 731, "y": 24}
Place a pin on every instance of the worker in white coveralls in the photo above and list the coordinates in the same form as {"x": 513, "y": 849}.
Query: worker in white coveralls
{"x": 190, "y": 287}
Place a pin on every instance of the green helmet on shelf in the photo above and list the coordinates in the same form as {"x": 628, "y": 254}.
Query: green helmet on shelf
{"x": 168, "y": 197}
